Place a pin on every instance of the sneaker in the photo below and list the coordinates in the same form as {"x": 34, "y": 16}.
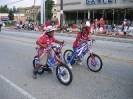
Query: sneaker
{"x": 50, "y": 70}
{"x": 80, "y": 63}
{"x": 69, "y": 65}
{"x": 34, "y": 74}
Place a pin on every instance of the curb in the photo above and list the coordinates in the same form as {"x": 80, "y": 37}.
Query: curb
{"x": 74, "y": 33}
{"x": 116, "y": 36}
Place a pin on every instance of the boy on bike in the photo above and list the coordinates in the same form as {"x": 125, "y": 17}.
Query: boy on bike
{"x": 45, "y": 42}
{"x": 82, "y": 37}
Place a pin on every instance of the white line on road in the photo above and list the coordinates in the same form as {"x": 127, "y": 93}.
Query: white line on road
{"x": 17, "y": 88}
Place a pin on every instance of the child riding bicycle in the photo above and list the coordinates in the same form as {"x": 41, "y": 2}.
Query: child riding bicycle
{"x": 81, "y": 38}
{"x": 45, "y": 42}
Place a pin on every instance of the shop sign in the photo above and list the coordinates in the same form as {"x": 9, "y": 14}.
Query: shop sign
{"x": 4, "y": 19}
{"x": 100, "y": 1}
{"x": 126, "y": 0}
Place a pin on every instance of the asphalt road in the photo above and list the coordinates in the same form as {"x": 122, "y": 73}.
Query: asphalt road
{"x": 114, "y": 81}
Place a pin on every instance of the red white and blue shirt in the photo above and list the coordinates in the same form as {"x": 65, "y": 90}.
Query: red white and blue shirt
{"x": 80, "y": 37}
{"x": 46, "y": 40}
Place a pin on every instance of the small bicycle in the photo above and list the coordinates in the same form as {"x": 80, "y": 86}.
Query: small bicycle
{"x": 63, "y": 73}
{"x": 94, "y": 62}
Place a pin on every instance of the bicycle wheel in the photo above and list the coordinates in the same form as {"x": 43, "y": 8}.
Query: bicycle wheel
{"x": 94, "y": 63}
{"x": 64, "y": 74}
{"x": 67, "y": 56}
{"x": 41, "y": 69}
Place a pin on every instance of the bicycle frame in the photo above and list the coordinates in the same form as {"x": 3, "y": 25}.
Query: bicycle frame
{"x": 55, "y": 60}
{"x": 83, "y": 49}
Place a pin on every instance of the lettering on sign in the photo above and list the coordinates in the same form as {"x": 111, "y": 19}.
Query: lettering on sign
{"x": 115, "y": 1}
{"x": 109, "y": 1}
{"x": 98, "y": 1}
{"x": 105, "y": 1}
{"x": 88, "y": 2}
{"x": 93, "y": 2}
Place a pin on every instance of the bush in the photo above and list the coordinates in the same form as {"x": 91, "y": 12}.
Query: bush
{"x": 52, "y": 22}
{"x": 8, "y": 24}
{"x": 70, "y": 24}
{"x": 30, "y": 20}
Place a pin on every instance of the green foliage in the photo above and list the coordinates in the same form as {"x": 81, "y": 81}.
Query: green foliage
{"x": 48, "y": 8}
{"x": 30, "y": 20}
{"x": 11, "y": 15}
{"x": 14, "y": 10}
{"x": 52, "y": 22}
{"x": 39, "y": 17}
{"x": 8, "y": 24}
{"x": 4, "y": 9}
{"x": 70, "y": 23}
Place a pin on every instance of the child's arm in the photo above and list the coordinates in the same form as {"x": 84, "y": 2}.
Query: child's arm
{"x": 40, "y": 44}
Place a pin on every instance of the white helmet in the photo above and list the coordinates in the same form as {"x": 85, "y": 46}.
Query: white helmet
{"x": 49, "y": 29}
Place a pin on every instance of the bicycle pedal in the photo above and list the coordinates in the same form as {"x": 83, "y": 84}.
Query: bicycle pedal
{"x": 50, "y": 71}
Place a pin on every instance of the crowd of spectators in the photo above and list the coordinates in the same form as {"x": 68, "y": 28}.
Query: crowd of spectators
{"x": 96, "y": 26}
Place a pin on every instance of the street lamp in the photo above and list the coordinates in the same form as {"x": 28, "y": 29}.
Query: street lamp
{"x": 34, "y": 11}
{"x": 42, "y": 11}
{"x": 61, "y": 12}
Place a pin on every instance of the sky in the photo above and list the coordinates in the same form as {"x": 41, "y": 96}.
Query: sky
{"x": 24, "y": 3}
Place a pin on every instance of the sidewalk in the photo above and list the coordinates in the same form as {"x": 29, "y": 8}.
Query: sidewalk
{"x": 121, "y": 35}
{"x": 117, "y": 36}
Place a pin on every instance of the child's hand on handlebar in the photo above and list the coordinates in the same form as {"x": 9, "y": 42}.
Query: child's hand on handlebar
{"x": 62, "y": 42}
{"x": 84, "y": 41}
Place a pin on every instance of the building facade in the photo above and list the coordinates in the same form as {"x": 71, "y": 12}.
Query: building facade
{"x": 54, "y": 11}
{"x": 29, "y": 12}
{"x": 113, "y": 11}
{"x": 17, "y": 17}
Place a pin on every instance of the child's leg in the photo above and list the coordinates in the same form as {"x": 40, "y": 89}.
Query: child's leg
{"x": 73, "y": 56}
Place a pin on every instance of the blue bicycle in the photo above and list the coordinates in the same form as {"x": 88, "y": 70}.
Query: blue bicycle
{"x": 94, "y": 62}
{"x": 63, "y": 73}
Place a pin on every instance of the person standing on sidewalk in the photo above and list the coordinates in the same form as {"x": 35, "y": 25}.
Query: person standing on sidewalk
{"x": 125, "y": 30}
{"x": 21, "y": 25}
{"x": 88, "y": 25}
{"x": 0, "y": 27}
{"x": 101, "y": 25}
{"x": 82, "y": 25}
{"x": 57, "y": 23}
{"x": 128, "y": 23}
{"x": 124, "y": 24}
{"x": 47, "y": 23}
{"x": 95, "y": 26}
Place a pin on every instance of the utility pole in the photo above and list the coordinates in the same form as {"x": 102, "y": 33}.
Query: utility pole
{"x": 61, "y": 12}
{"x": 34, "y": 10}
{"x": 42, "y": 11}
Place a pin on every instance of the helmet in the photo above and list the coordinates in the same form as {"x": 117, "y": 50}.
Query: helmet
{"x": 49, "y": 29}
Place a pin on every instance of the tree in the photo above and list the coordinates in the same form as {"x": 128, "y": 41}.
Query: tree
{"x": 39, "y": 17}
{"x": 11, "y": 15}
{"x": 48, "y": 8}
{"x": 14, "y": 9}
{"x": 4, "y": 9}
